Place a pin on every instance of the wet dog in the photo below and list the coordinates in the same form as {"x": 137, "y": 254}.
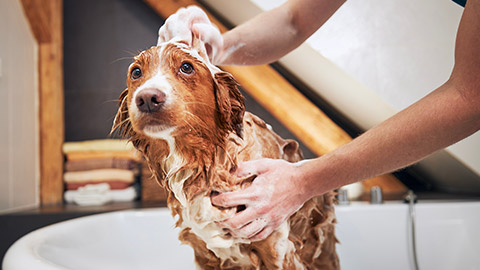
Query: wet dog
{"x": 188, "y": 119}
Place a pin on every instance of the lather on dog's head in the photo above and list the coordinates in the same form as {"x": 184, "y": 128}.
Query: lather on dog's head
{"x": 174, "y": 94}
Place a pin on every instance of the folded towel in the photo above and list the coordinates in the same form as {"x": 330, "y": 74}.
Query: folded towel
{"x": 101, "y": 175}
{"x": 114, "y": 185}
{"x": 99, "y": 194}
{"x": 87, "y": 155}
{"x": 101, "y": 163}
{"x": 90, "y": 195}
{"x": 98, "y": 145}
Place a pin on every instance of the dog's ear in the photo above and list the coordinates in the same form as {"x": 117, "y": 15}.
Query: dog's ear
{"x": 230, "y": 103}
{"x": 291, "y": 151}
{"x": 122, "y": 122}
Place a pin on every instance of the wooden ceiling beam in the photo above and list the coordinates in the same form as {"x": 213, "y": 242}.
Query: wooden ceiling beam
{"x": 39, "y": 15}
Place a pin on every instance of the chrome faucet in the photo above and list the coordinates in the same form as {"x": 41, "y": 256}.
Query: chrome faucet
{"x": 376, "y": 195}
{"x": 411, "y": 199}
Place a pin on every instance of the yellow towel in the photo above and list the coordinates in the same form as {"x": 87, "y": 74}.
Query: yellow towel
{"x": 98, "y": 145}
{"x": 87, "y": 155}
{"x": 127, "y": 176}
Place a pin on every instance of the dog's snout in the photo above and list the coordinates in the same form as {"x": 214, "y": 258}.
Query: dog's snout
{"x": 150, "y": 100}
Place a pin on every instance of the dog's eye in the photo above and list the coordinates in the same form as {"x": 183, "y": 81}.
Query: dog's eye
{"x": 186, "y": 68}
{"x": 136, "y": 73}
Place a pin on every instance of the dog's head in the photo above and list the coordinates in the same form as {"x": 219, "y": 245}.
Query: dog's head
{"x": 173, "y": 90}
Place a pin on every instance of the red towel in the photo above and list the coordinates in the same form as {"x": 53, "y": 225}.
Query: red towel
{"x": 114, "y": 185}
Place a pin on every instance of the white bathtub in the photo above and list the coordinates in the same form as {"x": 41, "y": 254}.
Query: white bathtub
{"x": 377, "y": 236}
{"x": 372, "y": 237}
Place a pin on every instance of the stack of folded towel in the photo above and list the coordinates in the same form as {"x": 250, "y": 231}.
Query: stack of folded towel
{"x": 100, "y": 171}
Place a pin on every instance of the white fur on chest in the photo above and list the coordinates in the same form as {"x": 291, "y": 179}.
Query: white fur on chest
{"x": 199, "y": 214}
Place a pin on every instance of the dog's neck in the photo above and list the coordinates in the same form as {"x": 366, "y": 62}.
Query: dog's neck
{"x": 189, "y": 164}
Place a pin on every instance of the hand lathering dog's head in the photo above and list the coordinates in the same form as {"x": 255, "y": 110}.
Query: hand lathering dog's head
{"x": 172, "y": 89}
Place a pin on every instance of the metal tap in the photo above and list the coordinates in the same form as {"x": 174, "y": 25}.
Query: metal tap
{"x": 376, "y": 195}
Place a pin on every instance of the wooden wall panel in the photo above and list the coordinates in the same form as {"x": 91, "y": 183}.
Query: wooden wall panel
{"x": 46, "y": 21}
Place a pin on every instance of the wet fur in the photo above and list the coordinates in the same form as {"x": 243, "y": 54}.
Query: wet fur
{"x": 213, "y": 133}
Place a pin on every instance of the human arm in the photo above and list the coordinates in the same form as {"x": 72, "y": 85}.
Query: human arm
{"x": 261, "y": 40}
{"x": 445, "y": 116}
{"x": 272, "y": 34}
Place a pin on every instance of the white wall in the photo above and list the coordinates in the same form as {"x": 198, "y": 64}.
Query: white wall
{"x": 373, "y": 58}
{"x": 19, "y": 169}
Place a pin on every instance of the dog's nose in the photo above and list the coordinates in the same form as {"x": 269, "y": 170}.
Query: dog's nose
{"x": 150, "y": 100}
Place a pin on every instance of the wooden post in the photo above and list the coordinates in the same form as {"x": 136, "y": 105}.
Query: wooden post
{"x": 46, "y": 22}
{"x": 306, "y": 121}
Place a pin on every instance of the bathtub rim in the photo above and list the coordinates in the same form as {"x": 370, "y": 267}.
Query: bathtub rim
{"x": 30, "y": 241}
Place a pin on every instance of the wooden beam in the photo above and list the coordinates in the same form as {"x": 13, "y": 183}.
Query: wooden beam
{"x": 291, "y": 108}
{"x": 46, "y": 21}
{"x": 39, "y": 15}
{"x": 306, "y": 121}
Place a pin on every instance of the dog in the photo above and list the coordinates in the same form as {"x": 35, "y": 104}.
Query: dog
{"x": 188, "y": 119}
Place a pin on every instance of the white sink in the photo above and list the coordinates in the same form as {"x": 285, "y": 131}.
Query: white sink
{"x": 372, "y": 237}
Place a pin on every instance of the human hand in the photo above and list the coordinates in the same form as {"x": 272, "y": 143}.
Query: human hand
{"x": 275, "y": 194}
{"x": 191, "y": 22}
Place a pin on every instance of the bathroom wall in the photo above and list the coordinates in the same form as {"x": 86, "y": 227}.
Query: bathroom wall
{"x": 373, "y": 58}
{"x": 19, "y": 165}
{"x": 100, "y": 40}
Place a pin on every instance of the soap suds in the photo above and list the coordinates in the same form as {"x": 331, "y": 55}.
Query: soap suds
{"x": 200, "y": 216}
{"x": 225, "y": 54}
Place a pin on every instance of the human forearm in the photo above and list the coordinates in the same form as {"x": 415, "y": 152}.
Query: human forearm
{"x": 442, "y": 118}
{"x": 272, "y": 34}
{"x": 445, "y": 116}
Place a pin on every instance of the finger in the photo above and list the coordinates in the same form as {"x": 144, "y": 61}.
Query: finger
{"x": 248, "y": 168}
{"x": 162, "y": 35}
{"x": 238, "y": 221}
{"x": 263, "y": 234}
{"x": 209, "y": 34}
{"x": 234, "y": 198}
{"x": 178, "y": 29}
{"x": 251, "y": 229}
{"x": 177, "y": 25}
{"x": 197, "y": 15}
{"x": 170, "y": 29}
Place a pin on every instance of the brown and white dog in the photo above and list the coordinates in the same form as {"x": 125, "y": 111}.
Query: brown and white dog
{"x": 188, "y": 119}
